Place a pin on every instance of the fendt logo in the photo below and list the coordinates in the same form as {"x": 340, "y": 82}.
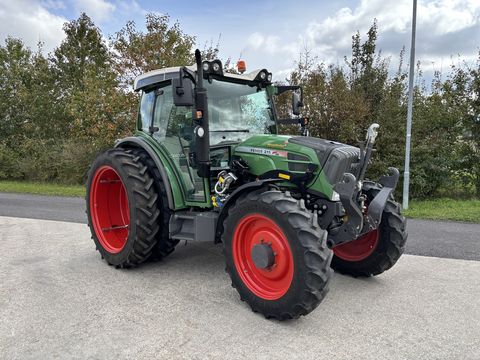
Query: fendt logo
{"x": 261, "y": 151}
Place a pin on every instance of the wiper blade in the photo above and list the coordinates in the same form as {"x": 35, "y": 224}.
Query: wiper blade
{"x": 233, "y": 130}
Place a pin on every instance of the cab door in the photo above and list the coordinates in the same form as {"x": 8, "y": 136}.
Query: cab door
{"x": 173, "y": 131}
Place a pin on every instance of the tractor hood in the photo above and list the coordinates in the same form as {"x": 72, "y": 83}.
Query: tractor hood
{"x": 334, "y": 158}
{"x": 271, "y": 145}
{"x": 294, "y": 154}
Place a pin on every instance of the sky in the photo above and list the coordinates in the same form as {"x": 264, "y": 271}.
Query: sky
{"x": 271, "y": 34}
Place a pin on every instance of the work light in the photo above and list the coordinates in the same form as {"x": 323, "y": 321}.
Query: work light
{"x": 264, "y": 76}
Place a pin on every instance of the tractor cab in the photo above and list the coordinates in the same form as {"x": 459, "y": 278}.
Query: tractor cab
{"x": 239, "y": 107}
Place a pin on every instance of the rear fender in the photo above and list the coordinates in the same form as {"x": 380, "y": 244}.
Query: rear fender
{"x": 135, "y": 142}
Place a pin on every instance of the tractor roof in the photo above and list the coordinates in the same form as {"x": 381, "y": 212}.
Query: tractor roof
{"x": 156, "y": 76}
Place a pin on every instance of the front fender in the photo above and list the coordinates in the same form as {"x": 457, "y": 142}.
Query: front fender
{"x": 243, "y": 189}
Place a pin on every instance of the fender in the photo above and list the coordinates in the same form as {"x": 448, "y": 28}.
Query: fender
{"x": 137, "y": 142}
{"x": 245, "y": 188}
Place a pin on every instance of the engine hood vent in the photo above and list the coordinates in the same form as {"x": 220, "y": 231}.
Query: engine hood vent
{"x": 335, "y": 158}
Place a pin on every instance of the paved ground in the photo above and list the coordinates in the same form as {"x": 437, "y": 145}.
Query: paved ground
{"x": 59, "y": 300}
{"x": 70, "y": 209}
{"x": 429, "y": 238}
{"x": 446, "y": 239}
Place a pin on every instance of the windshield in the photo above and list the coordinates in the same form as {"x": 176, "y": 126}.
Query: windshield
{"x": 237, "y": 111}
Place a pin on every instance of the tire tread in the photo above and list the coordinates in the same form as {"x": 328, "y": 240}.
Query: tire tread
{"x": 317, "y": 267}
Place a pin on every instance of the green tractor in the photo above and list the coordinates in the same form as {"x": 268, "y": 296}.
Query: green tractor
{"x": 206, "y": 164}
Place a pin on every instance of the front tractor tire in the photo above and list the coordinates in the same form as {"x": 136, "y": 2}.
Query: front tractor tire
{"x": 276, "y": 254}
{"x": 378, "y": 250}
{"x": 122, "y": 208}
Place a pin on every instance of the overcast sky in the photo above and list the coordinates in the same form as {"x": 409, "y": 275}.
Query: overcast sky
{"x": 270, "y": 33}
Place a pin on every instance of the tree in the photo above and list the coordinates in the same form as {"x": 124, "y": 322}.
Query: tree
{"x": 473, "y": 123}
{"x": 163, "y": 45}
{"x": 15, "y": 78}
{"x": 464, "y": 85}
{"x": 83, "y": 49}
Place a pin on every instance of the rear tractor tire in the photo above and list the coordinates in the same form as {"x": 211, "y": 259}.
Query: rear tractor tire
{"x": 276, "y": 254}
{"x": 122, "y": 209}
{"x": 165, "y": 244}
{"x": 378, "y": 250}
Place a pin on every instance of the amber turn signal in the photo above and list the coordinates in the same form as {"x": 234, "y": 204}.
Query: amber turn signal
{"x": 241, "y": 66}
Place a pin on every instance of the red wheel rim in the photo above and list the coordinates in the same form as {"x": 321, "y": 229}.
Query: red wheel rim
{"x": 109, "y": 209}
{"x": 358, "y": 249}
{"x": 271, "y": 283}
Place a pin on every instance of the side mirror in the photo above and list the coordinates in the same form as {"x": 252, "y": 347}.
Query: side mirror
{"x": 296, "y": 104}
{"x": 182, "y": 90}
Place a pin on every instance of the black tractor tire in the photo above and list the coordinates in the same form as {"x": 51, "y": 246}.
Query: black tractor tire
{"x": 111, "y": 169}
{"x": 390, "y": 243}
{"x": 165, "y": 245}
{"x": 307, "y": 248}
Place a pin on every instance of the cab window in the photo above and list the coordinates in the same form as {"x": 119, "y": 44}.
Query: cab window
{"x": 146, "y": 110}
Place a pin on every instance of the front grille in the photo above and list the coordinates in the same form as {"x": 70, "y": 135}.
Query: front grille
{"x": 335, "y": 158}
{"x": 293, "y": 165}
{"x": 341, "y": 160}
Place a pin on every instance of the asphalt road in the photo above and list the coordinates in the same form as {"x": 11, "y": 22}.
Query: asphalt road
{"x": 71, "y": 209}
{"x": 428, "y": 238}
{"x": 58, "y": 299}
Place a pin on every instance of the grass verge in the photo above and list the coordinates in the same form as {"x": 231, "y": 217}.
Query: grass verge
{"x": 445, "y": 209}
{"x": 42, "y": 188}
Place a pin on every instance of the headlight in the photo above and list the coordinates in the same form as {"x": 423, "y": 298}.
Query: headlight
{"x": 216, "y": 66}
{"x": 263, "y": 75}
{"x": 269, "y": 77}
{"x": 206, "y": 66}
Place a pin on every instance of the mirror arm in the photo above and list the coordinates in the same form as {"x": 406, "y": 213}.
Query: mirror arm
{"x": 283, "y": 88}
{"x": 186, "y": 73}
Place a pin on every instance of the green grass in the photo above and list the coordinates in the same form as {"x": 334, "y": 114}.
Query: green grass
{"x": 445, "y": 209}
{"x": 42, "y": 188}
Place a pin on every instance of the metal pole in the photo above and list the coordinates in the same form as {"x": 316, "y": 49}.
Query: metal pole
{"x": 406, "y": 174}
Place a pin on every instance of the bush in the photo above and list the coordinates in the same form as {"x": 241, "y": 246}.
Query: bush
{"x": 9, "y": 163}
{"x": 74, "y": 161}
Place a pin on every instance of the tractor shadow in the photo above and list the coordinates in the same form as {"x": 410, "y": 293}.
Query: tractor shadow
{"x": 199, "y": 256}
{"x": 197, "y": 270}
{"x": 207, "y": 258}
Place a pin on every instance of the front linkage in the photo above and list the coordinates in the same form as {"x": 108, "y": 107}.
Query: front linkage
{"x": 349, "y": 189}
